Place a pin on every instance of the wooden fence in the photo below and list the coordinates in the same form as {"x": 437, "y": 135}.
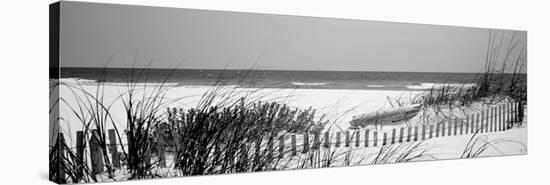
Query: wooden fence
{"x": 493, "y": 119}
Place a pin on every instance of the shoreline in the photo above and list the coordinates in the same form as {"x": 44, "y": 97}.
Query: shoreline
{"x": 413, "y": 86}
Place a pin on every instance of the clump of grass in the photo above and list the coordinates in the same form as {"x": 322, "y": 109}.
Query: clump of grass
{"x": 93, "y": 113}
{"x": 495, "y": 83}
{"x": 318, "y": 156}
{"x": 404, "y": 152}
{"x": 144, "y": 105}
{"x": 64, "y": 161}
{"x": 218, "y": 136}
{"x": 219, "y": 139}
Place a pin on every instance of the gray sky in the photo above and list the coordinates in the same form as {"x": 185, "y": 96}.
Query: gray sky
{"x": 201, "y": 39}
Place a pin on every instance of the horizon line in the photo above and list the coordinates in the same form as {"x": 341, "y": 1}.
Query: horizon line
{"x": 298, "y": 70}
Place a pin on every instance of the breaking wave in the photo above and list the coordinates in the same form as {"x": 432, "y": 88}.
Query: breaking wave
{"x": 309, "y": 84}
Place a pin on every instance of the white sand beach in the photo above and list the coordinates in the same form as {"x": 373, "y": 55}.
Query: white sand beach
{"x": 338, "y": 105}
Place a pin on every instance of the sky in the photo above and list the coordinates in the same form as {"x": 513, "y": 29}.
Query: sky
{"x": 99, "y": 35}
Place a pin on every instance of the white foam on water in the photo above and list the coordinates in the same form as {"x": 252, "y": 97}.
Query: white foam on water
{"x": 427, "y": 86}
{"x": 309, "y": 84}
{"x": 80, "y": 81}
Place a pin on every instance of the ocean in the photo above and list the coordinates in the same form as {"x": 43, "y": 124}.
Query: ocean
{"x": 271, "y": 78}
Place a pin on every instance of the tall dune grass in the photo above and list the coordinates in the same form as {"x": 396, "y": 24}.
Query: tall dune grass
{"x": 143, "y": 105}
{"x": 93, "y": 114}
{"x": 220, "y": 135}
{"x": 405, "y": 152}
{"x": 502, "y": 77}
{"x": 237, "y": 137}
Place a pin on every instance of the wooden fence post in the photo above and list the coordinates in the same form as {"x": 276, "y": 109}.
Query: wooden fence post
{"x": 504, "y": 125}
{"x": 516, "y": 112}
{"x": 467, "y": 124}
{"x": 80, "y": 153}
{"x": 501, "y": 118}
{"x": 384, "y": 139}
{"x": 455, "y": 126}
{"x": 293, "y": 142}
{"x": 375, "y": 134}
{"x": 516, "y": 118}
{"x": 449, "y": 124}
{"x": 401, "y": 130}
{"x": 487, "y": 117}
{"x": 488, "y": 122}
{"x": 95, "y": 153}
{"x": 513, "y": 112}
{"x": 461, "y": 126}
{"x": 495, "y": 120}
{"x": 482, "y": 121}
{"x": 504, "y": 111}
{"x": 409, "y": 133}
{"x": 472, "y": 124}
{"x": 519, "y": 113}
{"x": 498, "y": 118}
{"x": 437, "y": 129}
{"x": 61, "y": 176}
{"x": 114, "y": 152}
{"x": 367, "y": 138}
{"x": 316, "y": 141}
{"x": 490, "y": 119}
{"x": 477, "y": 122}
{"x": 327, "y": 139}
{"x": 357, "y": 139}
{"x": 442, "y": 129}
{"x": 337, "y": 139}
{"x": 415, "y": 133}
{"x": 495, "y": 123}
{"x": 161, "y": 148}
{"x": 393, "y": 136}
{"x": 306, "y": 143}
{"x": 432, "y": 130}
{"x": 509, "y": 115}
{"x": 347, "y": 139}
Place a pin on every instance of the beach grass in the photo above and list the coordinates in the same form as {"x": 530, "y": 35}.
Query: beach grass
{"x": 503, "y": 78}
{"x": 404, "y": 152}
{"x": 218, "y": 139}
{"x": 205, "y": 139}
{"x": 93, "y": 113}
